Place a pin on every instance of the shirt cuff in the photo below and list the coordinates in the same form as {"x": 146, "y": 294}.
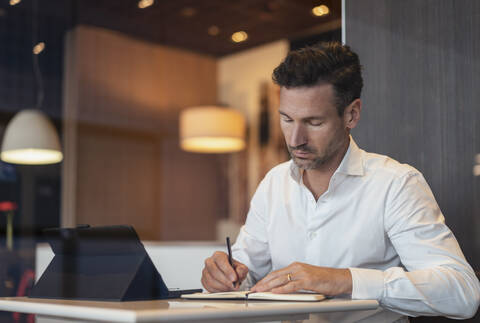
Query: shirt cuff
{"x": 367, "y": 283}
{"x": 247, "y": 283}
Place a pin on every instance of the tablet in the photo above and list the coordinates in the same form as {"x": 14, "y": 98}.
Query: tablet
{"x": 107, "y": 263}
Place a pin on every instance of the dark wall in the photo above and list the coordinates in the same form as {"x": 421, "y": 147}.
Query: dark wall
{"x": 18, "y": 88}
{"x": 422, "y": 97}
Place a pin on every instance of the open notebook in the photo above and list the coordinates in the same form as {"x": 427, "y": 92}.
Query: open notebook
{"x": 298, "y": 297}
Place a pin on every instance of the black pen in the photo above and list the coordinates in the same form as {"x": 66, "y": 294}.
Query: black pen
{"x": 230, "y": 259}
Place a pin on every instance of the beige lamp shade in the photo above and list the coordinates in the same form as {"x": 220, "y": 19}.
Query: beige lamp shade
{"x": 31, "y": 139}
{"x": 210, "y": 129}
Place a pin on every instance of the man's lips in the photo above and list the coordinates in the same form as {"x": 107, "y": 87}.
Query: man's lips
{"x": 301, "y": 154}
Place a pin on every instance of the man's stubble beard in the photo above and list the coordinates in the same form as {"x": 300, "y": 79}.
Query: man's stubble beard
{"x": 319, "y": 160}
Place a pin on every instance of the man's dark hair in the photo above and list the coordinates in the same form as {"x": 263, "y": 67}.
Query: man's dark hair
{"x": 329, "y": 62}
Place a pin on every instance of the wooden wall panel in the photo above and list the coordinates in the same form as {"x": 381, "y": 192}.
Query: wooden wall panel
{"x": 195, "y": 193}
{"x": 421, "y": 97}
{"x": 123, "y": 106}
{"x": 117, "y": 179}
{"x": 137, "y": 85}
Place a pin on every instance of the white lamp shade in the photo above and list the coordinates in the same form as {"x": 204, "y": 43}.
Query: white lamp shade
{"x": 31, "y": 139}
{"x": 210, "y": 129}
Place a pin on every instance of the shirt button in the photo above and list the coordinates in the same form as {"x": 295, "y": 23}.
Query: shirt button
{"x": 312, "y": 235}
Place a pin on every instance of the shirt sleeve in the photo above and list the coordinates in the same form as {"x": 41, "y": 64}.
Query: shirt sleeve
{"x": 251, "y": 247}
{"x": 435, "y": 278}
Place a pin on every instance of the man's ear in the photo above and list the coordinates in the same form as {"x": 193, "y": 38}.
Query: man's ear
{"x": 351, "y": 114}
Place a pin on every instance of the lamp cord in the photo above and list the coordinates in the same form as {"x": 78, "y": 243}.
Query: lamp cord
{"x": 36, "y": 67}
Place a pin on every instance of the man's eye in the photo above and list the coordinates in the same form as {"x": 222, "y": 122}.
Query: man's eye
{"x": 315, "y": 124}
{"x": 287, "y": 120}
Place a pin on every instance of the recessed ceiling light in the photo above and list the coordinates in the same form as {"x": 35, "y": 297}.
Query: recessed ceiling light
{"x": 321, "y": 10}
{"x": 142, "y": 4}
{"x": 213, "y": 30}
{"x": 239, "y": 36}
{"x": 188, "y": 12}
{"x": 39, "y": 48}
{"x": 14, "y": 2}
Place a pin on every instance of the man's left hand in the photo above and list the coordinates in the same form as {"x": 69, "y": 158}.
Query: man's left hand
{"x": 300, "y": 276}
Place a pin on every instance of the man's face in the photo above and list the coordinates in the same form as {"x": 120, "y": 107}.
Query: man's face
{"x": 313, "y": 130}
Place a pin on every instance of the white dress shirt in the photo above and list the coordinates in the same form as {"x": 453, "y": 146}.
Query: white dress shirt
{"x": 379, "y": 219}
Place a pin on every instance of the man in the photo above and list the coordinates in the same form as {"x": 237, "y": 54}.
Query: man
{"x": 338, "y": 220}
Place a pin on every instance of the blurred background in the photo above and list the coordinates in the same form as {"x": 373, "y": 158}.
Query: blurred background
{"x": 117, "y": 80}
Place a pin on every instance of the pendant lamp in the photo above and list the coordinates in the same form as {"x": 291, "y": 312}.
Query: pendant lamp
{"x": 211, "y": 129}
{"x": 31, "y": 139}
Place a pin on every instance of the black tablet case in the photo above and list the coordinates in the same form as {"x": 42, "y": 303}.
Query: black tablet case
{"x": 101, "y": 264}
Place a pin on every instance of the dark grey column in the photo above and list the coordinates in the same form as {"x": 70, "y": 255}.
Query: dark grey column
{"x": 422, "y": 97}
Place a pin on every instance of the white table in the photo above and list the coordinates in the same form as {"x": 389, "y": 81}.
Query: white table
{"x": 179, "y": 310}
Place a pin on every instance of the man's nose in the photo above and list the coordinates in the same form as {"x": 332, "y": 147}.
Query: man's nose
{"x": 298, "y": 137}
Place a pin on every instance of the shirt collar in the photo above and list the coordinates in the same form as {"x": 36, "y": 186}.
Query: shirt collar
{"x": 352, "y": 163}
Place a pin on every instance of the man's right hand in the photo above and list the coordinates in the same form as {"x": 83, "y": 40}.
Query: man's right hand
{"x": 219, "y": 276}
